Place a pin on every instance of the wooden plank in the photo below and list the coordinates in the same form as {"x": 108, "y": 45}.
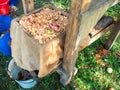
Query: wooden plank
{"x": 89, "y": 40}
{"x": 98, "y": 35}
{"x": 113, "y": 36}
{"x": 95, "y": 3}
{"x": 101, "y": 24}
{"x": 115, "y": 2}
{"x": 28, "y": 6}
{"x": 89, "y": 19}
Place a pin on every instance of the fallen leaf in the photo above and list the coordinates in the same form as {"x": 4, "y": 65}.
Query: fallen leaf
{"x": 111, "y": 88}
{"x": 97, "y": 56}
{"x": 118, "y": 53}
{"x": 102, "y": 51}
{"x": 99, "y": 61}
{"x": 100, "y": 77}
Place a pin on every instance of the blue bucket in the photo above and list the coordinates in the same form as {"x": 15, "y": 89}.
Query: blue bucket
{"x": 5, "y": 48}
{"x": 13, "y": 71}
{"x": 13, "y": 2}
{"x": 26, "y": 84}
{"x": 5, "y": 22}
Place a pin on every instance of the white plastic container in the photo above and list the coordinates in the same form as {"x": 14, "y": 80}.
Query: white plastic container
{"x": 13, "y": 71}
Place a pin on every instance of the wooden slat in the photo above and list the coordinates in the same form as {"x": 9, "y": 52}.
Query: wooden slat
{"x": 89, "y": 40}
{"x": 113, "y": 36}
{"x": 28, "y": 6}
{"x": 96, "y": 2}
{"x": 101, "y": 24}
{"x": 115, "y": 2}
{"x": 89, "y": 19}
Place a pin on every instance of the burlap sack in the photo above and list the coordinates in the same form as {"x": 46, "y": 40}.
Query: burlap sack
{"x": 29, "y": 54}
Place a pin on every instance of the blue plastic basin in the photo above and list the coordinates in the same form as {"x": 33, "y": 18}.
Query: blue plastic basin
{"x": 13, "y": 71}
{"x": 5, "y": 22}
{"x": 13, "y": 2}
{"x": 5, "y": 48}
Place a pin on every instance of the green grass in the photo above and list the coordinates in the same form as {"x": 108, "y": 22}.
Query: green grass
{"x": 114, "y": 11}
{"x": 62, "y": 4}
{"x": 92, "y": 75}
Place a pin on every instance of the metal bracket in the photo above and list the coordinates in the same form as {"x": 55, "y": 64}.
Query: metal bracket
{"x": 65, "y": 77}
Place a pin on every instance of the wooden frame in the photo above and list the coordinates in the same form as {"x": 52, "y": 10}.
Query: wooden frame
{"x": 81, "y": 22}
{"x": 79, "y": 29}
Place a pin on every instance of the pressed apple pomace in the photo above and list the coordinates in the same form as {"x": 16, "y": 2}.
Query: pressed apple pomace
{"x": 44, "y": 25}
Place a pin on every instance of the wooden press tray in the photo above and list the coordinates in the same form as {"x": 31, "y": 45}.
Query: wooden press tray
{"x": 38, "y": 10}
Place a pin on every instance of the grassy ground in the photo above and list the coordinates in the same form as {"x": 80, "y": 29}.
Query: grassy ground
{"x": 92, "y": 64}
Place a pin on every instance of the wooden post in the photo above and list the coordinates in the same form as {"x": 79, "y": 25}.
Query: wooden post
{"x": 77, "y": 6}
{"x": 113, "y": 36}
{"x": 28, "y": 6}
